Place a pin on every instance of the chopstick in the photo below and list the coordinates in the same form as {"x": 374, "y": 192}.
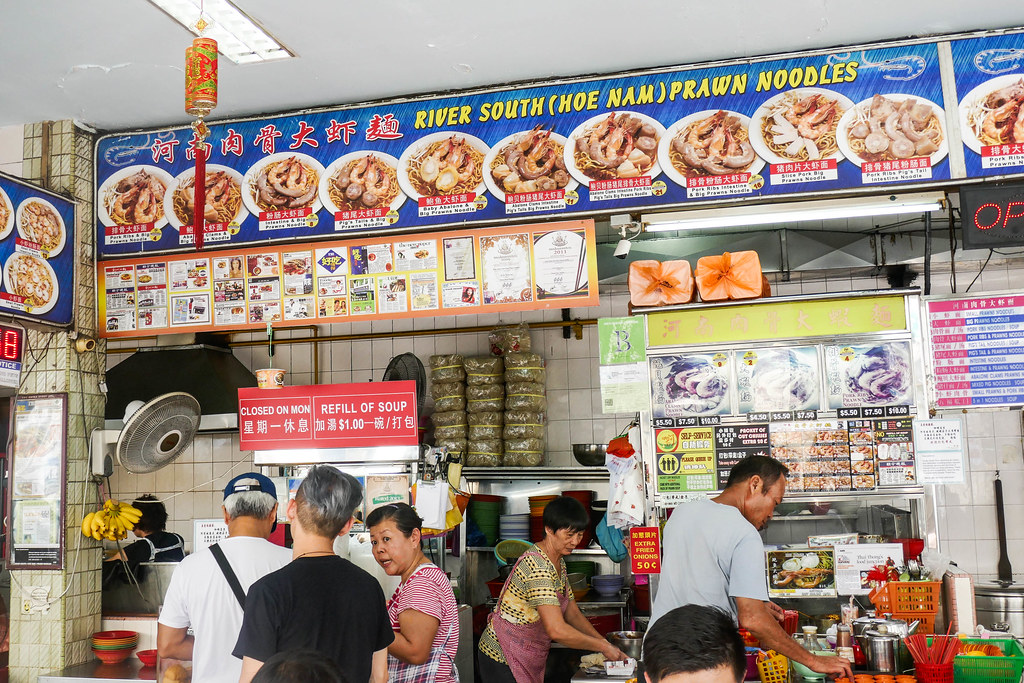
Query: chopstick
{"x": 943, "y": 649}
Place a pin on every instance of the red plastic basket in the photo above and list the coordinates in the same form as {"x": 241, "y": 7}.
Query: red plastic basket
{"x": 934, "y": 673}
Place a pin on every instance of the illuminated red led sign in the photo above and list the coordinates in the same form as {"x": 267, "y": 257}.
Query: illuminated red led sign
{"x": 992, "y": 215}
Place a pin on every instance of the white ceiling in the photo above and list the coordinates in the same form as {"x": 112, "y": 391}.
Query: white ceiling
{"x": 117, "y": 64}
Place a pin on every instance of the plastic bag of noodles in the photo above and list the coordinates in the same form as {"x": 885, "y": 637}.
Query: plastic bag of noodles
{"x": 455, "y": 446}
{"x": 484, "y": 370}
{"x": 485, "y": 398}
{"x": 524, "y": 367}
{"x": 521, "y": 424}
{"x": 447, "y": 367}
{"x": 523, "y": 453}
{"x": 483, "y": 453}
{"x": 484, "y": 431}
{"x": 525, "y": 396}
{"x": 449, "y": 425}
{"x": 448, "y": 396}
{"x": 511, "y": 339}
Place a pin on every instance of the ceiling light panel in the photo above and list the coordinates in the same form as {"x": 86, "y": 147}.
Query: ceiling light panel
{"x": 238, "y": 37}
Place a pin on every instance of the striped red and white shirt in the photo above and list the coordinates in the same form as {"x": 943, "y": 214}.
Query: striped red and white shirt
{"x": 429, "y": 591}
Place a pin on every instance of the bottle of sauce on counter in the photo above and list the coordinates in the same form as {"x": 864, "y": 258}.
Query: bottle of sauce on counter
{"x": 844, "y": 642}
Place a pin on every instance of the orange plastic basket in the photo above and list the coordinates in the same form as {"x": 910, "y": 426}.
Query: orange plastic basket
{"x": 927, "y": 620}
{"x": 773, "y": 667}
{"x": 907, "y": 596}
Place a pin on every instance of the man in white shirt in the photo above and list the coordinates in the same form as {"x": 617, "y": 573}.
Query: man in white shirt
{"x": 202, "y": 597}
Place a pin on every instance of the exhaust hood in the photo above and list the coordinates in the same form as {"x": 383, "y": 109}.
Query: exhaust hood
{"x": 209, "y": 373}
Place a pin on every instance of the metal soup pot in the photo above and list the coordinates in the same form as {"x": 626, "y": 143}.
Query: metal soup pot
{"x": 1000, "y": 608}
{"x": 881, "y": 651}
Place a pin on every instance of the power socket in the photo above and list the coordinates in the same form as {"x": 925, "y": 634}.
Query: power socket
{"x": 35, "y": 600}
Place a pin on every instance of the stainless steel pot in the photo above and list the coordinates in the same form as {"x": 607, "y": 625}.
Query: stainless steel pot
{"x": 1000, "y": 608}
{"x": 881, "y": 651}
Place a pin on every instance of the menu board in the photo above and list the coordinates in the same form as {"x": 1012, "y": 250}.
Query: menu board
{"x": 894, "y": 452}
{"x": 37, "y": 238}
{"x": 989, "y": 88}
{"x": 817, "y": 454}
{"x": 686, "y": 460}
{"x": 735, "y": 442}
{"x": 778, "y": 379}
{"x": 481, "y": 271}
{"x": 976, "y": 358}
{"x": 690, "y": 385}
{"x": 808, "y": 572}
{"x": 871, "y": 375}
{"x": 835, "y": 120}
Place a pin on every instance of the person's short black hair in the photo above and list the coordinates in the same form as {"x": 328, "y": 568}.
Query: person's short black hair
{"x": 693, "y": 638}
{"x": 154, "y": 514}
{"x": 566, "y": 513}
{"x": 402, "y": 514}
{"x": 299, "y": 666}
{"x": 769, "y": 469}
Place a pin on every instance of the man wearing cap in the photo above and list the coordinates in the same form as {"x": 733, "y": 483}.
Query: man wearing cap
{"x": 208, "y": 587}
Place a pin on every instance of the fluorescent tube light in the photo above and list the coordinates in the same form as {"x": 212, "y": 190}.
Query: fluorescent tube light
{"x": 238, "y": 37}
{"x": 793, "y": 212}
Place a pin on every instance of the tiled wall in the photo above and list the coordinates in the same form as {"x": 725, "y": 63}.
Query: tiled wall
{"x": 965, "y": 513}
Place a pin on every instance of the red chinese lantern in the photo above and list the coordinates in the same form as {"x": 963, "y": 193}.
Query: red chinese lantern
{"x": 200, "y": 100}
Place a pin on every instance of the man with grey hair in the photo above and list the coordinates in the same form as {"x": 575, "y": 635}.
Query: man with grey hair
{"x": 319, "y": 601}
{"x": 208, "y": 587}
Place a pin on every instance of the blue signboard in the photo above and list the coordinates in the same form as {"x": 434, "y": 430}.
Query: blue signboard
{"x": 37, "y": 253}
{"x": 845, "y": 120}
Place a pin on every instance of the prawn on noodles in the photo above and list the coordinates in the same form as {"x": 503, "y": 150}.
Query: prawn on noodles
{"x": 533, "y": 161}
{"x": 223, "y": 198}
{"x": 715, "y": 145}
{"x": 446, "y": 167}
{"x": 885, "y": 129}
{"x": 31, "y": 279}
{"x": 136, "y": 198}
{"x": 802, "y": 127}
{"x": 5, "y": 211}
{"x": 363, "y": 183}
{"x": 41, "y": 224}
{"x": 285, "y": 184}
{"x": 998, "y": 118}
{"x": 619, "y": 146}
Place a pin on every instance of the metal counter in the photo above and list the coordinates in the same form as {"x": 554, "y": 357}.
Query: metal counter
{"x": 129, "y": 670}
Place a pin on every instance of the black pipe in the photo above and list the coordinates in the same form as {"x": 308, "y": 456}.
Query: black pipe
{"x": 927, "y": 254}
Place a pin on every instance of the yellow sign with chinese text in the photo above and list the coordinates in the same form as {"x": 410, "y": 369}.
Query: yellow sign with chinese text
{"x": 777, "y": 320}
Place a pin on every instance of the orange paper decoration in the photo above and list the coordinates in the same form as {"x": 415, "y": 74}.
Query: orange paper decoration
{"x": 730, "y": 276}
{"x": 656, "y": 283}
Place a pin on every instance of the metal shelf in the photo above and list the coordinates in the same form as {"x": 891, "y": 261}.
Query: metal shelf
{"x": 519, "y": 473}
{"x": 578, "y": 551}
{"x": 810, "y": 518}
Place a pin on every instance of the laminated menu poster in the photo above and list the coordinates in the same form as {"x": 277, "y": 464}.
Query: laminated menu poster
{"x": 894, "y": 447}
{"x": 736, "y": 442}
{"x": 479, "y": 271}
{"x": 686, "y": 460}
{"x": 863, "y": 454}
{"x": 808, "y": 572}
{"x": 690, "y": 385}
{"x": 778, "y": 379}
{"x": 869, "y": 375}
{"x": 817, "y": 454}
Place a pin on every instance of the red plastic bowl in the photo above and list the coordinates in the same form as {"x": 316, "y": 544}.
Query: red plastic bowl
{"x": 112, "y": 656}
{"x": 147, "y": 657}
{"x": 114, "y": 635}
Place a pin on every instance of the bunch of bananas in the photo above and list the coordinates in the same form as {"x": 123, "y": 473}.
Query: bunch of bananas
{"x": 112, "y": 522}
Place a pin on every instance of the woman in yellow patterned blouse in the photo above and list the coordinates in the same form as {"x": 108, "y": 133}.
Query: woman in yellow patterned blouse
{"x": 536, "y": 605}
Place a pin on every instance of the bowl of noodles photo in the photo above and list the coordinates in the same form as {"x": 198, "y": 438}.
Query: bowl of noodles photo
{"x": 360, "y": 181}
{"x": 6, "y": 215}
{"x": 993, "y": 113}
{"x": 891, "y": 127}
{"x": 33, "y": 279}
{"x": 282, "y": 181}
{"x": 708, "y": 143}
{"x": 223, "y": 197}
{"x": 134, "y": 195}
{"x": 39, "y": 221}
{"x": 443, "y": 164}
{"x": 528, "y": 161}
{"x": 799, "y": 125}
{"x": 613, "y": 146}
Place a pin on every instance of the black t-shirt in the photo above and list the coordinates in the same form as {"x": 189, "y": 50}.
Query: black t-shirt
{"x": 322, "y": 603}
{"x": 169, "y": 547}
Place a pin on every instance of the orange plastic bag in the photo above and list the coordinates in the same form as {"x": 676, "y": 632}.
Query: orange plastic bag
{"x": 729, "y": 276}
{"x": 657, "y": 283}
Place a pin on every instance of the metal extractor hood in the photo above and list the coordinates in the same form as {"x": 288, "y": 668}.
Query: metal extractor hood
{"x": 210, "y": 373}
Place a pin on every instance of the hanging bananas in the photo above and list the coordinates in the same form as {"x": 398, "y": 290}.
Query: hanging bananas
{"x": 111, "y": 522}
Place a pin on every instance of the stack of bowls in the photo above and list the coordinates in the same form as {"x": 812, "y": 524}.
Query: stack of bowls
{"x": 537, "y": 505}
{"x": 514, "y": 526}
{"x": 586, "y": 567}
{"x": 607, "y": 584}
{"x": 113, "y": 647}
{"x": 485, "y": 511}
{"x": 586, "y": 499}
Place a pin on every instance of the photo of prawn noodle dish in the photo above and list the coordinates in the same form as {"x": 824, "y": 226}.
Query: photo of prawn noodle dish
{"x": 30, "y": 278}
{"x": 5, "y": 210}
{"x": 807, "y": 571}
{"x": 288, "y": 183}
{"x": 531, "y": 162}
{"x": 715, "y": 145}
{"x": 997, "y": 118}
{"x": 363, "y": 183}
{"x": 802, "y": 127}
{"x": 40, "y": 223}
{"x": 886, "y": 129}
{"x": 619, "y": 146}
{"x": 223, "y": 198}
{"x": 136, "y": 198}
{"x": 446, "y": 167}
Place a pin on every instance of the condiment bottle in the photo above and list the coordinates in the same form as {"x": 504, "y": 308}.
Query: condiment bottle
{"x": 844, "y": 643}
{"x": 810, "y": 641}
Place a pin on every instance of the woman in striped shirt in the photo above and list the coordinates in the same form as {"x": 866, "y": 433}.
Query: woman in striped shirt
{"x": 423, "y": 611}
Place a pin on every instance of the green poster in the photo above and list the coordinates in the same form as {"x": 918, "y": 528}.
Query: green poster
{"x": 621, "y": 340}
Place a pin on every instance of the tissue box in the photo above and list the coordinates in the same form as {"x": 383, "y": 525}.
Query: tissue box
{"x": 620, "y": 669}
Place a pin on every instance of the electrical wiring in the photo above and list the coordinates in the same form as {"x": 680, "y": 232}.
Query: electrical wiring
{"x": 981, "y": 270}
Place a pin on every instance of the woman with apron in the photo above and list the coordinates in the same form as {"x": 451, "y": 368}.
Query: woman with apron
{"x": 155, "y": 543}
{"x": 423, "y": 611}
{"x": 536, "y": 605}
